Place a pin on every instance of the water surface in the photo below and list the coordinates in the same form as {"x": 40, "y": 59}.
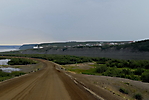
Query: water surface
{"x": 6, "y": 50}
{"x": 4, "y": 61}
{"x": 7, "y": 69}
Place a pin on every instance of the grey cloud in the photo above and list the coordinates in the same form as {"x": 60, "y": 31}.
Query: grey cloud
{"x": 75, "y": 19}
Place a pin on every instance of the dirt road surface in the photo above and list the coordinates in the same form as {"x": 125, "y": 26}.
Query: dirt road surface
{"x": 45, "y": 84}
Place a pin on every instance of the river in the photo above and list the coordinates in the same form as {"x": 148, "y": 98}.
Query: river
{"x": 5, "y": 50}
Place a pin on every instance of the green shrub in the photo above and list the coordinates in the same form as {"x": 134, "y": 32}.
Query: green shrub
{"x": 101, "y": 60}
{"x": 127, "y": 71}
{"x": 21, "y": 61}
{"x": 138, "y": 96}
{"x": 101, "y": 69}
{"x": 5, "y": 75}
{"x": 4, "y": 78}
{"x": 145, "y": 76}
{"x": 139, "y": 71}
{"x": 113, "y": 72}
{"x": 17, "y": 73}
{"x": 123, "y": 90}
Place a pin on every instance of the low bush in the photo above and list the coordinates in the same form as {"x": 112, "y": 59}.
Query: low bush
{"x": 101, "y": 69}
{"x": 138, "y": 96}
{"x": 17, "y": 73}
{"x": 5, "y": 75}
{"x": 123, "y": 90}
{"x": 113, "y": 72}
{"x": 101, "y": 60}
{"x": 21, "y": 61}
{"x": 145, "y": 76}
{"x": 139, "y": 71}
{"x": 127, "y": 71}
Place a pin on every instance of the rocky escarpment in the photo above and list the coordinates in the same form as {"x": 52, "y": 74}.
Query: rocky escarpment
{"x": 92, "y": 52}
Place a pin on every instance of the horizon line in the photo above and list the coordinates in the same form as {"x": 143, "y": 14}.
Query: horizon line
{"x": 68, "y": 41}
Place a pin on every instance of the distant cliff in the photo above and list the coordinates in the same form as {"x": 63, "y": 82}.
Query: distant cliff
{"x": 135, "y": 50}
{"x": 27, "y": 46}
{"x": 74, "y": 44}
{"x": 92, "y": 52}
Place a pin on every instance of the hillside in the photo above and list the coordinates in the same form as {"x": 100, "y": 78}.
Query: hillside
{"x": 139, "y": 46}
{"x": 135, "y": 46}
{"x": 135, "y": 50}
{"x": 74, "y": 44}
{"x": 27, "y": 46}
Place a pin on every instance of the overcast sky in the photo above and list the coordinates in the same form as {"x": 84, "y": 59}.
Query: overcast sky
{"x": 34, "y": 21}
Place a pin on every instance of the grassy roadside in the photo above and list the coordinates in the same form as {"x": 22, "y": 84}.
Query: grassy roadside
{"x": 102, "y": 69}
{"x": 5, "y": 75}
{"x": 125, "y": 88}
{"x": 84, "y": 68}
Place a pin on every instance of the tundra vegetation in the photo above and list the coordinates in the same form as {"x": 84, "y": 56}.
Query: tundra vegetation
{"x": 5, "y": 75}
{"x": 138, "y": 96}
{"x": 21, "y": 61}
{"x": 131, "y": 69}
{"x": 123, "y": 90}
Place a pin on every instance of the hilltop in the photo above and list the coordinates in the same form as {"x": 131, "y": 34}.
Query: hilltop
{"x": 142, "y": 46}
{"x": 74, "y": 44}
